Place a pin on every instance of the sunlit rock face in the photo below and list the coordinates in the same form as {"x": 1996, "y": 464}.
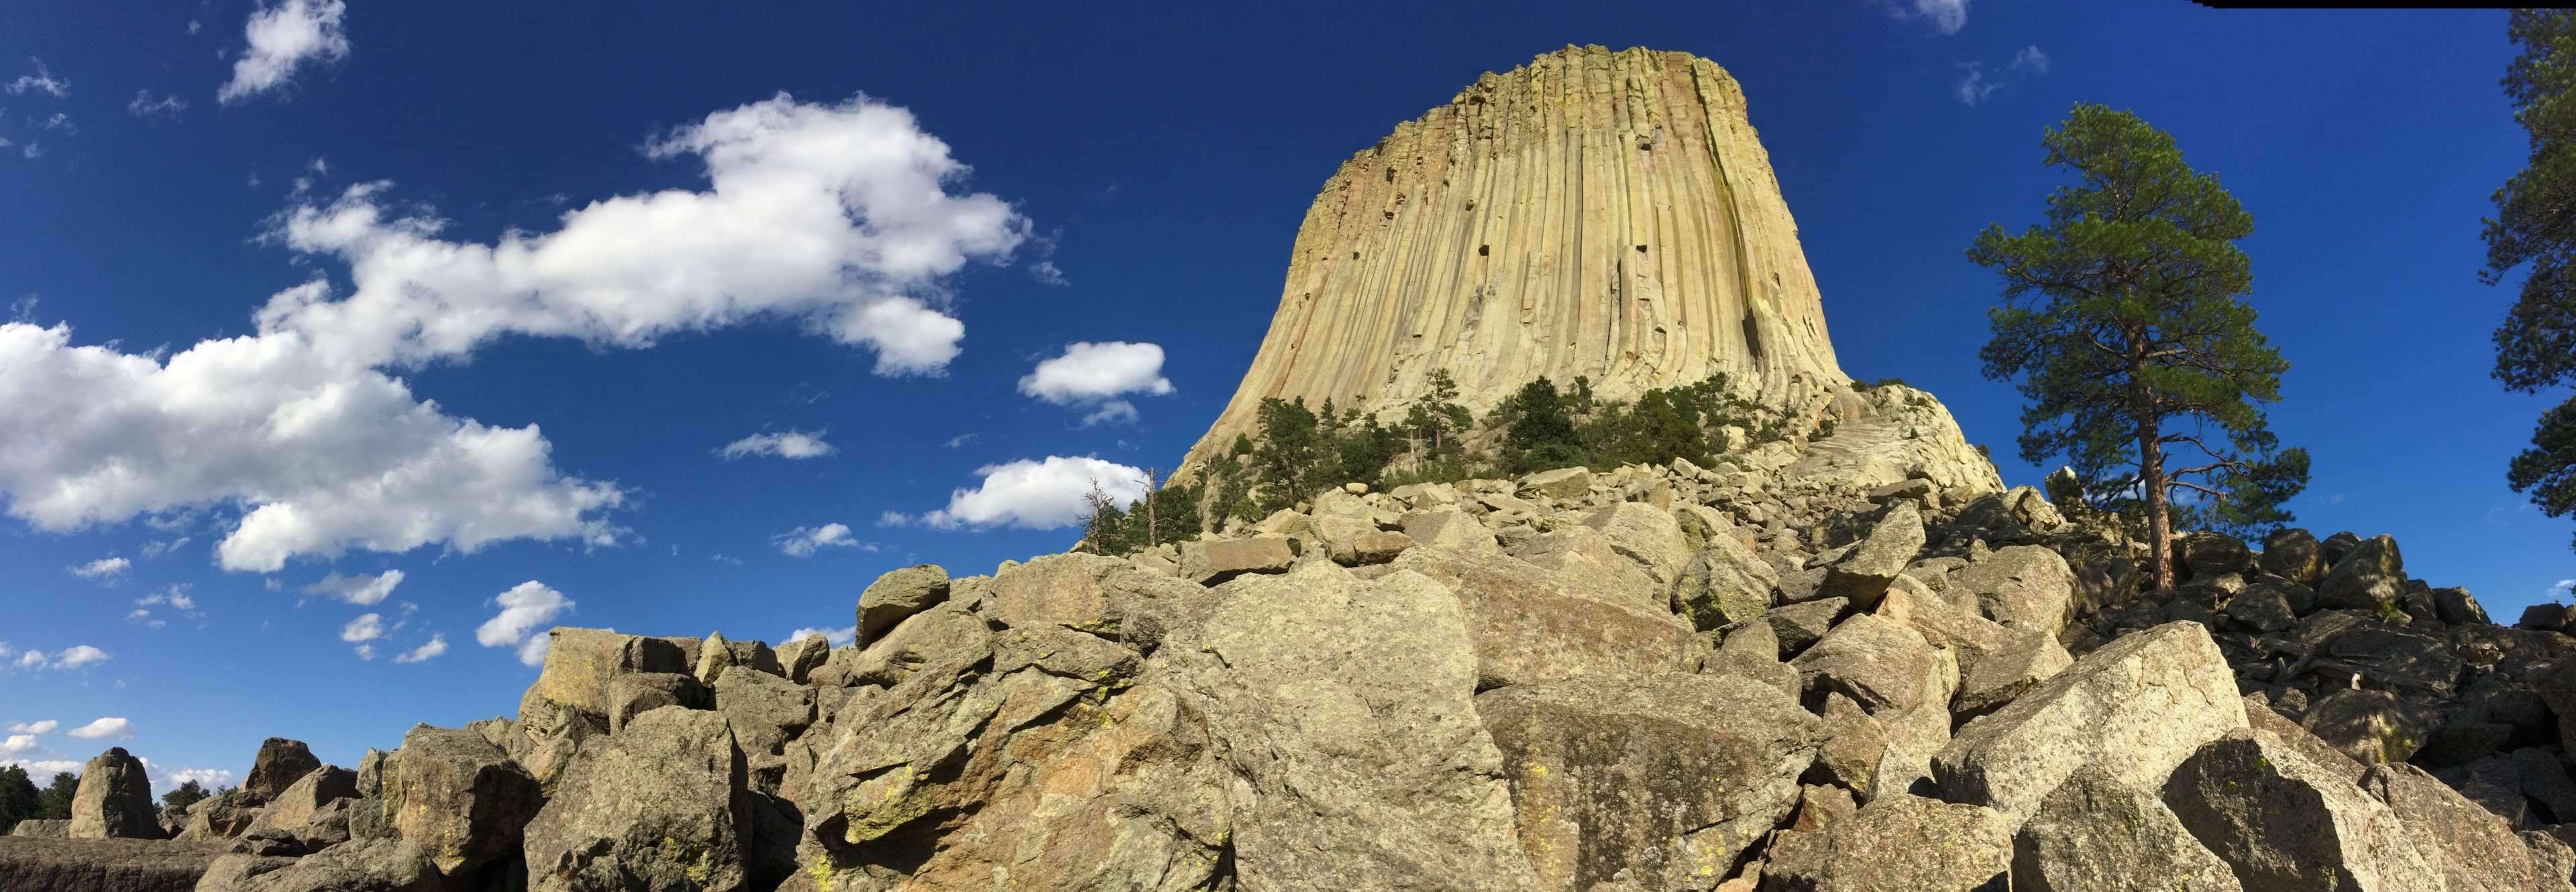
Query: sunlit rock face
{"x": 1594, "y": 213}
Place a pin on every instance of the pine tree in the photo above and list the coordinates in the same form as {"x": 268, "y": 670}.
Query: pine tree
{"x": 2535, "y": 225}
{"x": 55, "y": 803}
{"x": 18, "y": 797}
{"x": 2123, "y": 320}
{"x": 1538, "y": 428}
{"x": 187, "y": 793}
{"x": 1438, "y": 418}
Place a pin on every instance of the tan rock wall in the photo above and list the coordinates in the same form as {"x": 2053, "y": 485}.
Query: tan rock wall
{"x": 1596, "y": 213}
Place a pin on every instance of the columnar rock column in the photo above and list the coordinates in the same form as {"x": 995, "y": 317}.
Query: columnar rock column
{"x": 1592, "y": 213}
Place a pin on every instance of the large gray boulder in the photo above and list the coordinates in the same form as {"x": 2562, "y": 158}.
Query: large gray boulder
{"x": 1528, "y": 624}
{"x": 1724, "y": 584}
{"x": 2294, "y": 554}
{"x": 2372, "y": 575}
{"x": 2212, "y": 555}
{"x": 2094, "y": 835}
{"x": 114, "y": 800}
{"x": 1896, "y": 843}
{"x": 306, "y": 800}
{"x": 1864, "y": 572}
{"x": 764, "y": 713}
{"x": 2471, "y": 848}
{"x": 1718, "y": 758}
{"x": 1878, "y": 663}
{"x": 897, "y": 594}
{"x": 1450, "y": 528}
{"x": 280, "y": 763}
{"x": 2129, "y": 711}
{"x": 2371, "y": 727}
{"x": 1561, "y": 483}
{"x": 456, "y": 796}
{"x": 1645, "y": 534}
{"x": 1213, "y": 561}
{"x": 2284, "y": 823}
{"x": 654, "y": 809}
{"x": 220, "y": 817}
{"x": 633, "y": 694}
{"x": 1348, "y": 714}
{"x": 570, "y": 697}
{"x": 2023, "y": 586}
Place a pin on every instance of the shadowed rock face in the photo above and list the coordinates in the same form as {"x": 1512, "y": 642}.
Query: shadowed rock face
{"x": 1596, "y": 213}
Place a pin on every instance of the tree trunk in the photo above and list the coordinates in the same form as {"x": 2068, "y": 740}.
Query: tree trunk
{"x": 2151, "y": 474}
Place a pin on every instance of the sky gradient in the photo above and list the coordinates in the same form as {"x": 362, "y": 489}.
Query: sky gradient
{"x": 691, "y": 319}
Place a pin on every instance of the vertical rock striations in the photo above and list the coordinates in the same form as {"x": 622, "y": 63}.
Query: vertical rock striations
{"x": 1596, "y": 213}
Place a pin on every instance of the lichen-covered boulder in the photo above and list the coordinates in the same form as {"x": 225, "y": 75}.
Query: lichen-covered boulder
{"x": 458, "y": 797}
{"x": 2130, "y": 711}
{"x": 2372, "y": 575}
{"x": 1528, "y": 624}
{"x": 2372, "y": 727}
{"x": 1864, "y": 572}
{"x": 1350, "y": 728}
{"x": 897, "y": 594}
{"x": 570, "y": 697}
{"x": 1724, "y": 584}
{"x": 1717, "y": 757}
{"x": 2294, "y": 554}
{"x": 1880, "y": 664}
{"x": 114, "y": 800}
{"x": 1896, "y": 843}
{"x": 655, "y": 808}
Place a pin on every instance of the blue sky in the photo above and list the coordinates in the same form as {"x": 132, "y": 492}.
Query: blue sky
{"x": 601, "y": 315}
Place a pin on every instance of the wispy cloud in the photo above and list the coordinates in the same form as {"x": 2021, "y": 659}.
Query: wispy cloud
{"x": 109, "y": 568}
{"x": 42, "y": 81}
{"x": 785, "y": 444}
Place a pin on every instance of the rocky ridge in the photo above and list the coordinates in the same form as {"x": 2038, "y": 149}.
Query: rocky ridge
{"x": 1753, "y": 676}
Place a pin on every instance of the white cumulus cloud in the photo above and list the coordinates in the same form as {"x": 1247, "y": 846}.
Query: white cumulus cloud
{"x": 838, "y": 216}
{"x": 1088, "y": 372}
{"x": 73, "y": 657}
{"x": 283, "y": 36}
{"x": 44, "y": 727}
{"x": 103, "y": 568}
{"x": 362, "y": 589}
{"x": 834, "y": 637}
{"x": 113, "y": 726}
{"x": 367, "y": 627}
{"x": 804, "y": 541}
{"x": 526, "y": 609}
{"x": 1042, "y": 494}
{"x": 788, "y": 444}
{"x": 437, "y": 645}
{"x": 17, "y": 745}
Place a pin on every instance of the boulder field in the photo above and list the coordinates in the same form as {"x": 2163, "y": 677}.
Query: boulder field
{"x": 1777, "y": 673}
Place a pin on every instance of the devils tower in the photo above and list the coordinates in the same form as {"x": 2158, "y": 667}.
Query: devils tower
{"x": 1592, "y": 213}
